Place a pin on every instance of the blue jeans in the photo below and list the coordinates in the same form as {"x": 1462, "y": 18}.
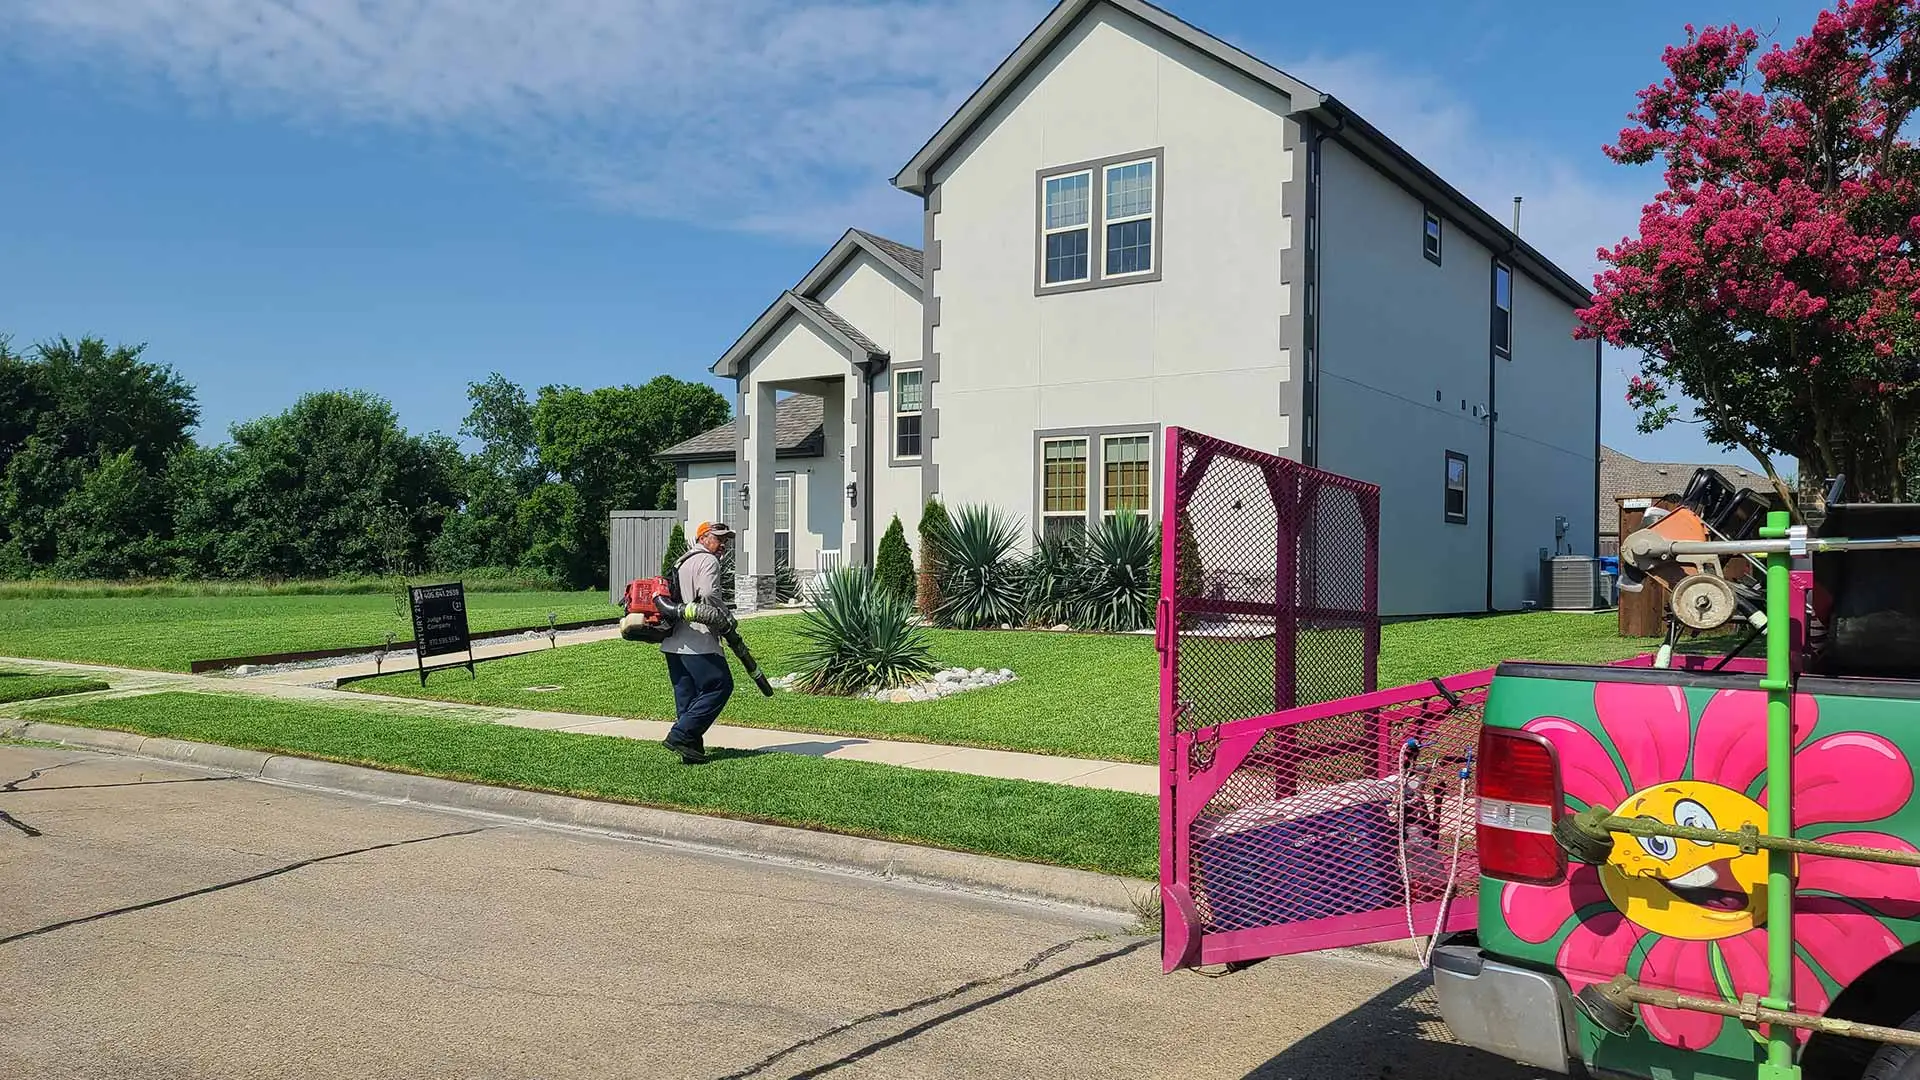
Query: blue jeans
{"x": 702, "y": 683}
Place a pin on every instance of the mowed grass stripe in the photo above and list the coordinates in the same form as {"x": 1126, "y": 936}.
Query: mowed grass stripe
{"x": 1077, "y": 695}
{"x": 1105, "y": 831}
{"x": 168, "y": 633}
{"x": 28, "y": 686}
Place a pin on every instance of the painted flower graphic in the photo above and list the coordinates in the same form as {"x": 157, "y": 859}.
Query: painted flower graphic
{"x": 1700, "y": 908}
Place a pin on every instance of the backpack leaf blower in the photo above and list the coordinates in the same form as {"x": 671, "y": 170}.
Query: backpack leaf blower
{"x": 653, "y": 611}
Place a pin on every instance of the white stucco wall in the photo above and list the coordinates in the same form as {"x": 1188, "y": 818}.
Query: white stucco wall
{"x": 817, "y": 497}
{"x": 1200, "y": 347}
{"x": 796, "y": 351}
{"x": 1546, "y": 443}
{"x": 1403, "y": 366}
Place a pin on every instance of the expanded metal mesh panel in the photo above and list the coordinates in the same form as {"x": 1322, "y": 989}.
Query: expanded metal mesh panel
{"x": 1309, "y": 825}
{"x": 1274, "y": 590}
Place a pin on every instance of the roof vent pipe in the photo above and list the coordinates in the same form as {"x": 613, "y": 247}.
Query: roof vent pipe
{"x": 1516, "y": 215}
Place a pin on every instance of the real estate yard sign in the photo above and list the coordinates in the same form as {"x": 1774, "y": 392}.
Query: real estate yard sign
{"x": 440, "y": 624}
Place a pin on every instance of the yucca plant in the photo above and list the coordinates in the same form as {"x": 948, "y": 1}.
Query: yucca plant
{"x": 981, "y": 579}
{"x": 786, "y": 583}
{"x": 1054, "y": 584}
{"x": 1120, "y": 575}
{"x": 860, "y": 637}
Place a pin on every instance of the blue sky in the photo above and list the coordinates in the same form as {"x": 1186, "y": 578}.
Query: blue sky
{"x": 403, "y": 195}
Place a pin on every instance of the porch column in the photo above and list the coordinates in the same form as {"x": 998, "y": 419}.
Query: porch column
{"x": 753, "y": 564}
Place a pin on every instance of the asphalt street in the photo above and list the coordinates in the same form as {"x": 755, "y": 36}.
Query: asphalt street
{"x": 158, "y": 921}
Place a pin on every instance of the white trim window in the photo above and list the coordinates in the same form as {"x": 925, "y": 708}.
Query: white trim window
{"x": 909, "y": 403}
{"x": 1066, "y": 228}
{"x": 1126, "y": 482}
{"x": 729, "y": 502}
{"x": 783, "y": 519}
{"x": 1063, "y": 486}
{"x": 1129, "y": 190}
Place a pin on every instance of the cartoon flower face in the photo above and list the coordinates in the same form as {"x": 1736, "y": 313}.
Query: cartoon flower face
{"x": 1687, "y": 888}
{"x": 1689, "y": 915}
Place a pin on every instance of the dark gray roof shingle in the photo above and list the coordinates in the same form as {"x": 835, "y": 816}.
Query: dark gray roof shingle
{"x": 834, "y": 319}
{"x": 1623, "y": 477}
{"x": 796, "y": 426}
{"x": 908, "y": 257}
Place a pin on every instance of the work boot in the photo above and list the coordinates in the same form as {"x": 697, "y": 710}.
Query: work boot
{"x": 690, "y": 754}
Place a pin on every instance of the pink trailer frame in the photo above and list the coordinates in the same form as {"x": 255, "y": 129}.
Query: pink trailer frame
{"x": 1276, "y": 833}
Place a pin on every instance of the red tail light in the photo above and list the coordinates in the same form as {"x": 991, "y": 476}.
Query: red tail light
{"x": 1520, "y": 799}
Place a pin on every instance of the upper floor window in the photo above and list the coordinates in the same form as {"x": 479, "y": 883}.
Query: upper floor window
{"x": 1069, "y": 228}
{"x": 1099, "y": 223}
{"x": 1502, "y": 310}
{"x": 909, "y": 402}
{"x": 1129, "y": 218}
{"x": 1430, "y": 238}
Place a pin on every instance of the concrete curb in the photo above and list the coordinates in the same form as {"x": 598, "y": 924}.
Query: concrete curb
{"x": 929, "y": 866}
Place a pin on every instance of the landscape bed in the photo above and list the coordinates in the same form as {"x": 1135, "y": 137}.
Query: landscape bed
{"x": 1077, "y": 695}
{"x": 1089, "y": 829}
{"x": 168, "y": 633}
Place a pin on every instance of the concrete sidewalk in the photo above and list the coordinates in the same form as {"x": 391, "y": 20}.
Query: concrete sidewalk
{"x": 998, "y": 764}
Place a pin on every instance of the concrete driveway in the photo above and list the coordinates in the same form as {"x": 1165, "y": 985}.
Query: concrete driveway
{"x": 159, "y": 921}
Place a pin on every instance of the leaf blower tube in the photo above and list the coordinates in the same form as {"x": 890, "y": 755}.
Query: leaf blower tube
{"x": 720, "y": 621}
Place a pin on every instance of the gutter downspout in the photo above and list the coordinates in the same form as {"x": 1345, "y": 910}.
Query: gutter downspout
{"x": 1493, "y": 402}
{"x": 1311, "y": 451}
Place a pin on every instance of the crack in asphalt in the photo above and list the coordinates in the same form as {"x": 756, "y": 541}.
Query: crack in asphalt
{"x": 1032, "y": 964}
{"x": 14, "y": 785}
{"x": 122, "y": 783}
{"x": 9, "y": 819}
{"x": 235, "y": 883}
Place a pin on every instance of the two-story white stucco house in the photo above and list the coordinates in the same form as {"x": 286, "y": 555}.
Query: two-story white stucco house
{"x": 1130, "y": 226}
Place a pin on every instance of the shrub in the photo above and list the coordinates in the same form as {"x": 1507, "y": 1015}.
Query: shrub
{"x": 786, "y": 583}
{"x": 676, "y": 547}
{"x": 981, "y": 580}
{"x": 1119, "y": 575}
{"x": 1054, "y": 584}
{"x": 860, "y": 637}
{"x": 934, "y": 526}
{"x": 893, "y": 563}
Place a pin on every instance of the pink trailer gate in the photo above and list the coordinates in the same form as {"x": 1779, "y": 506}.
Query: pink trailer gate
{"x": 1301, "y": 807}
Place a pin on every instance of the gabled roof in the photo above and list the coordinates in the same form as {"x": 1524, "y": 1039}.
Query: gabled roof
{"x": 1345, "y": 126}
{"x": 1623, "y": 477}
{"x": 797, "y": 432}
{"x": 904, "y": 260}
{"x": 823, "y": 318}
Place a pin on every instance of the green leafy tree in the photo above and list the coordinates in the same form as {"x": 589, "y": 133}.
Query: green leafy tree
{"x": 676, "y": 549}
{"x": 314, "y": 488}
{"x": 112, "y": 525}
{"x": 604, "y": 444}
{"x": 893, "y": 563}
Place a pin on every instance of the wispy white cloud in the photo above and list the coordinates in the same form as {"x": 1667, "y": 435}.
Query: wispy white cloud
{"x": 771, "y": 115}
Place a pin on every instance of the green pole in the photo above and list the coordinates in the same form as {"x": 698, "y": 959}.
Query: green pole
{"x": 1779, "y": 687}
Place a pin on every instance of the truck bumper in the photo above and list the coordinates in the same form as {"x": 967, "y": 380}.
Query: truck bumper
{"x": 1517, "y": 1013}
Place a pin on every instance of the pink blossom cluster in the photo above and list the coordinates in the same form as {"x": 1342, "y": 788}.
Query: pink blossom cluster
{"x": 1790, "y": 214}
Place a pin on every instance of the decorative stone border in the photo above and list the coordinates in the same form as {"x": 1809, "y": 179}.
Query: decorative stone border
{"x": 945, "y": 683}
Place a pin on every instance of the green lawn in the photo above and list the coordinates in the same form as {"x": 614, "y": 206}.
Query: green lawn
{"x": 1092, "y": 696}
{"x": 1048, "y": 823}
{"x": 168, "y": 632}
{"x": 30, "y": 686}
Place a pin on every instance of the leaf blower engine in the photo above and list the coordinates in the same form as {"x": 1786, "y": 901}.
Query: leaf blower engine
{"x": 653, "y": 610}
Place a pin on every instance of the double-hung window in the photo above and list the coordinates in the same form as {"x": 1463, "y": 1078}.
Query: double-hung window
{"x": 1126, "y": 483}
{"x": 1129, "y": 218}
{"x": 729, "y": 508}
{"x": 783, "y": 520}
{"x": 1099, "y": 223}
{"x": 1063, "y": 486}
{"x": 909, "y": 404}
{"x": 1430, "y": 237}
{"x": 1067, "y": 228}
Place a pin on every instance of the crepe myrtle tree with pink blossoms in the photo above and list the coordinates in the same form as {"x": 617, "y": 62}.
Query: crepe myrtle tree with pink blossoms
{"x": 1775, "y": 280}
